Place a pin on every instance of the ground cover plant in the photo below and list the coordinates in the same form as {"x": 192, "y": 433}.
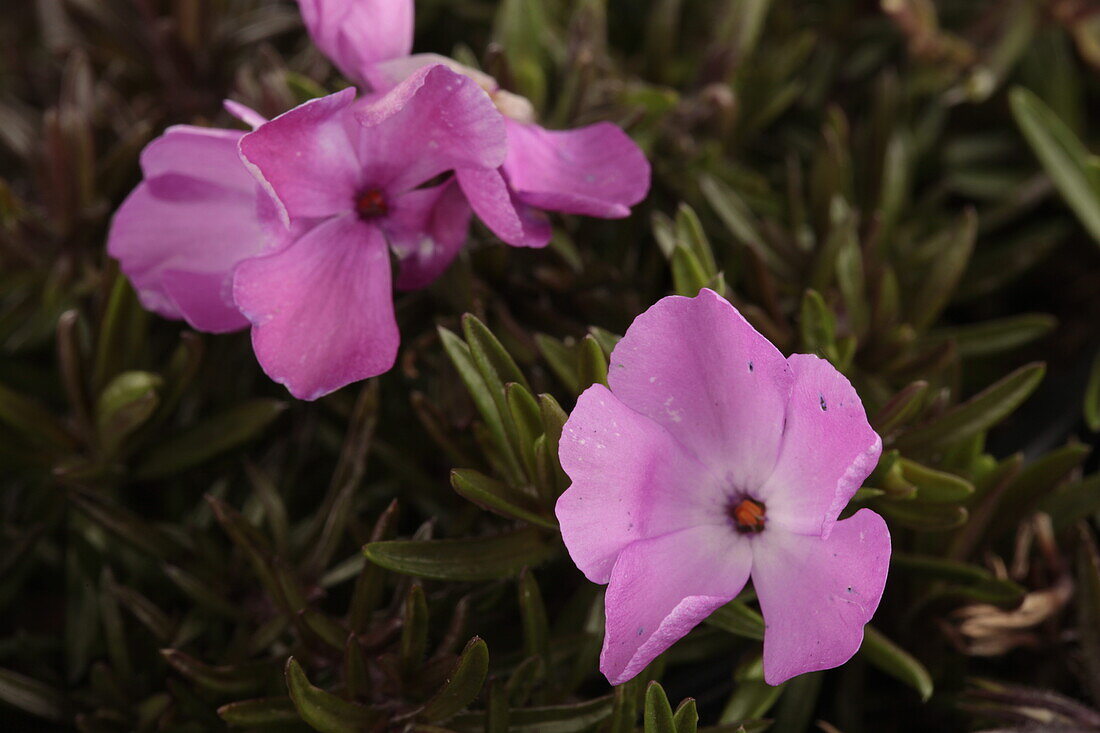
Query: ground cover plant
{"x": 246, "y": 488}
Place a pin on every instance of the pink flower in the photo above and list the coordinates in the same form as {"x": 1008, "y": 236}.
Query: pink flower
{"x": 196, "y": 214}
{"x": 289, "y": 227}
{"x": 356, "y": 34}
{"x": 710, "y": 459}
{"x": 595, "y": 170}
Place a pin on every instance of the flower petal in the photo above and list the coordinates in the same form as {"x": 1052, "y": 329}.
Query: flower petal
{"x": 355, "y": 34}
{"x": 816, "y": 594}
{"x": 497, "y": 207}
{"x": 828, "y": 449}
{"x": 661, "y": 588}
{"x": 595, "y": 170}
{"x": 195, "y": 216}
{"x": 426, "y": 228}
{"x": 245, "y": 114}
{"x": 631, "y": 481}
{"x": 322, "y": 308}
{"x": 306, "y": 158}
{"x": 434, "y": 121}
{"x": 699, "y": 369}
{"x": 388, "y": 74}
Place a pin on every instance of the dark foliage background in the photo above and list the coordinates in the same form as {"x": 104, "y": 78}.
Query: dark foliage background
{"x": 868, "y": 181}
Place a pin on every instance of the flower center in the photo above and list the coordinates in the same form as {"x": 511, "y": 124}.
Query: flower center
{"x": 371, "y": 204}
{"x": 748, "y": 516}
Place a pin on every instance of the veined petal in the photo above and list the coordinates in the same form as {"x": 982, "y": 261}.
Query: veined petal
{"x": 193, "y": 218}
{"x": 426, "y": 228}
{"x": 661, "y": 588}
{"x": 306, "y": 158}
{"x": 696, "y": 367}
{"x": 631, "y": 481}
{"x": 356, "y": 34}
{"x": 595, "y": 170}
{"x": 322, "y": 308}
{"x": 434, "y": 121}
{"x": 494, "y": 203}
{"x": 828, "y": 449}
{"x": 817, "y": 594}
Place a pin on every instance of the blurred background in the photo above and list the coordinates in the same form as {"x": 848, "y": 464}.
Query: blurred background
{"x": 904, "y": 187}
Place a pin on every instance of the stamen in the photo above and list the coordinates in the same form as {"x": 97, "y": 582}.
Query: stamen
{"x": 371, "y": 204}
{"x": 748, "y": 516}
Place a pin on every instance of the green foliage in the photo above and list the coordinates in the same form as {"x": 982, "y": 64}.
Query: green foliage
{"x": 903, "y": 188}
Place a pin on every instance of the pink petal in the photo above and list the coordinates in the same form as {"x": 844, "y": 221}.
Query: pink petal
{"x": 661, "y": 588}
{"x": 817, "y": 594}
{"x": 631, "y": 481}
{"x": 306, "y": 158}
{"x": 194, "y": 217}
{"x": 322, "y": 308}
{"x": 426, "y": 229}
{"x": 595, "y": 170}
{"x": 355, "y": 34}
{"x": 497, "y": 207}
{"x": 388, "y": 74}
{"x": 434, "y": 121}
{"x": 205, "y": 299}
{"x": 828, "y": 450}
{"x": 698, "y": 368}
{"x": 245, "y": 114}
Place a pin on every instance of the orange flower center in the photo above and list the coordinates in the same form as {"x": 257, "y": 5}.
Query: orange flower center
{"x": 748, "y": 515}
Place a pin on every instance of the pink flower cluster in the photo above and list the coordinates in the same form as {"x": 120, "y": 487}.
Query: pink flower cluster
{"x": 289, "y": 228}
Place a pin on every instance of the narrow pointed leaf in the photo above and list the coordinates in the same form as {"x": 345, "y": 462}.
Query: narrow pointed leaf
{"x": 481, "y": 558}
{"x": 324, "y": 711}
{"x": 463, "y": 684}
{"x": 895, "y": 661}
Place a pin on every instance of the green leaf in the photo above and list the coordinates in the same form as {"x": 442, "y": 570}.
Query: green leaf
{"x": 995, "y": 336}
{"x": 737, "y": 618}
{"x": 752, "y": 697}
{"x": 688, "y": 274}
{"x": 414, "y": 630}
{"x": 208, "y": 438}
{"x": 561, "y": 361}
{"x": 480, "y": 558}
{"x": 228, "y": 679}
{"x": 686, "y": 719}
{"x": 922, "y": 516}
{"x": 259, "y": 713}
{"x": 34, "y": 697}
{"x": 895, "y": 661}
{"x": 817, "y": 324}
{"x": 497, "y": 497}
{"x": 796, "y": 708}
{"x": 494, "y": 361}
{"x": 658, "y": 713}
{"x": 591, "y": 362}
{"x": 901, "y": 408}
{"x": 951, "y": 252}
{"x": 964, "y": 579}
{"x": 979, "y": 413}
{"x": 1035, "y": 482}
{"x": 1073, "y": 502}
{"x": 324, "y": 711}
{"x": 690, "y": 233}
{"x": 527, "y": 421}
{"x": 573, "y": 718}
{"x": 33, "y": 421}
{"x": 488, "y": 396}
{"x": 933, "y": 485}
{"x": 1092, "y": 396}
{"x": 125, "y": 404}
{"x": 463, "y": 684}
{"x": 536, "y": 627}
{"x": 1063, "y": 155}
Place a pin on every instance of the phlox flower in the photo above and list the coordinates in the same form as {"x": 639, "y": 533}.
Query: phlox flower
{"x": 712, "y": 459}
{"x": 596, "y": 170}
{"x": 289, "y": 228}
